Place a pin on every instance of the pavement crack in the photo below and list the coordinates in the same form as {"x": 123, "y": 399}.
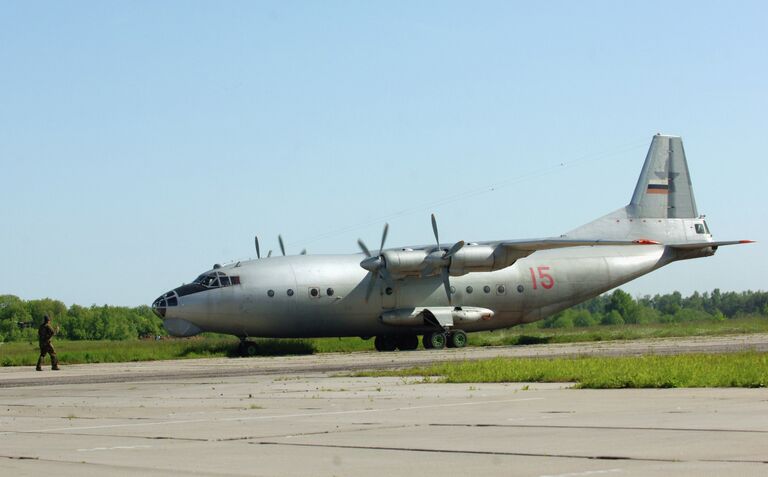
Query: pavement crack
{"x": 607, "y": 428}
{"x": 471, "y": 452}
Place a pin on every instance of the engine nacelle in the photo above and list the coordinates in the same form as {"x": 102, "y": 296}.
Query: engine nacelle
{"x": 404, "y": 263}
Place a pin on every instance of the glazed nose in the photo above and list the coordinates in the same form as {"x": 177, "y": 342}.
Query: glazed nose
{"x": 161, "y": 304}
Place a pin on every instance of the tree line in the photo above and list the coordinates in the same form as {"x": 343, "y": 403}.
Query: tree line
{"x": 19, "y": 318}
{"x": 619, "y": 307}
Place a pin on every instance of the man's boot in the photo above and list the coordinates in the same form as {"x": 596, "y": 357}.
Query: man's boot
{"x": 54, "y": 363}
{"x": 39, "y": 364}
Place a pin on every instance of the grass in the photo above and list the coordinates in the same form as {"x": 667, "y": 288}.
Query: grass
{"x": 748, "y": 369}
{"x": 73, "y": 352}
{"x": 530, "y": 334}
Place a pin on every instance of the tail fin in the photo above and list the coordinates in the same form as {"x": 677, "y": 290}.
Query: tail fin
{"x": 664, "y": 189}
{"x": 662, "y": 208}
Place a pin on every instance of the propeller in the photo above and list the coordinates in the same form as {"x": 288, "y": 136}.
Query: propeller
{"x": 444, "y": 259}
{"x": 374, "y": 264}
{"x": 258, "y": 251}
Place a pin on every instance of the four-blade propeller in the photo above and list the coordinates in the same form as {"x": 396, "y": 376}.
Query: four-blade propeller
{"x": 441, "y": 258}
{"x": 374, "y": 265}
{"x": 282, "y": 247}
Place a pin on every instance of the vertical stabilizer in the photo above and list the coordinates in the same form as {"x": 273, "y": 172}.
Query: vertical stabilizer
{"x": 664, "y": 189}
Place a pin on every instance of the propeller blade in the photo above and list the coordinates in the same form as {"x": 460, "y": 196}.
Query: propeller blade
{"x": 269, "y": 254}
{"x": 456, "y": 247}
{"x": 371, "y": 284}
{"x": 303, "y": 251}
{"x": 363, "y": 247}
{"x": 384, "y": 237}
{"x": 447, "y": 284}
{"x": 258, "y": 251}
{"x": 385, "y": 275}
{"x": 282, "y": 246}
{"x": 434, "y": 229}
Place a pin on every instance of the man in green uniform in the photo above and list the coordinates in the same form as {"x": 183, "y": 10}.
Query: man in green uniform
{"x": 44, "y": 334}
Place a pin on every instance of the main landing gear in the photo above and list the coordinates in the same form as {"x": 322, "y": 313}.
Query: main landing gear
{"x": 432, "y": 340}
{"x": 247, "y": 348}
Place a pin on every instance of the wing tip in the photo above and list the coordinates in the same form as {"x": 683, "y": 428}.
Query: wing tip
{"x": 746, "y": 241}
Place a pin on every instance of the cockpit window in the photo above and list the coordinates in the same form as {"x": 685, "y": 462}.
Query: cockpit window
{"x": 216, "y": 280}
{"x": 700, "y": 228}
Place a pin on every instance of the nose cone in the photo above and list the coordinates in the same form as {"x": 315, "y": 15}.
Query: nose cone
{"x": 161, "y": 304}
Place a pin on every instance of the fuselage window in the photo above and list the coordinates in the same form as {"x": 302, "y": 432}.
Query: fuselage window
{"x": 469, "y": 289}
{"x": 700, "y": 229}
{"x": 235, "y": 279}
{"x": 487, "y": 289}
{"x": 329, "y": 291}
{"x": 314, "y": 292}
{"x": 270, "y": 293}
{"x": 290, "y": 292}
{"x": 500, "y": 289}
{"x": 224, "y": 281}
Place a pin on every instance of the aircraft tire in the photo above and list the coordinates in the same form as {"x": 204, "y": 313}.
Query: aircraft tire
{"x": 385, "y": 343}
{"x": 248, "y": 348}
{"x": 407, "y": 342}
{"x": 457, "y": 339}
{"x": 425, "y": 341}
{"x": 436, "y": 340}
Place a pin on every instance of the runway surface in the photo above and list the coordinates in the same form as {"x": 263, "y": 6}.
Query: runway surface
{"x": 339, "y": 362}
{"x": 297, "y": 416}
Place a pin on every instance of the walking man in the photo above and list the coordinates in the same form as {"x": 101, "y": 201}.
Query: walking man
{"x": 44, "y": 334}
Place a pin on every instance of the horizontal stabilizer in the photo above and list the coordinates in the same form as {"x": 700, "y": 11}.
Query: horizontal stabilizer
{"x": 698, "y": 245}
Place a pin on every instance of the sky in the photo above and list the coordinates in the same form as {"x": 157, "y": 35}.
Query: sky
{"x": 142, "y": 142}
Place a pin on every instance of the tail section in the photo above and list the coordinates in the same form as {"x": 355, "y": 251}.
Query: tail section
{"x": 664, "y": 189}
{"x": 662, "y": 208}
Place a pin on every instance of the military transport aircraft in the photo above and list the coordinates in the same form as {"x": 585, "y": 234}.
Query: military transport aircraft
{"x": 442, "y": 291}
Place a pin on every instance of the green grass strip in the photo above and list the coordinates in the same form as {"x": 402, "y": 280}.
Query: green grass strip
{"x": 747, "y": 370}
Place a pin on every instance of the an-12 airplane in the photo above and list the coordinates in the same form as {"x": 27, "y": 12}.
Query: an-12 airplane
{"x": 443, "y": 291}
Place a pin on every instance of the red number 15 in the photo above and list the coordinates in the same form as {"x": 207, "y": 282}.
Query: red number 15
{"x": 544, "y": 278}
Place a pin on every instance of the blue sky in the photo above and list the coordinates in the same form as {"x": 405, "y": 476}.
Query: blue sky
{"x": 141, "y": 142}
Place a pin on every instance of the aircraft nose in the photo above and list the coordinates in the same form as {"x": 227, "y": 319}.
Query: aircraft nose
{"x": 161, "y": 304}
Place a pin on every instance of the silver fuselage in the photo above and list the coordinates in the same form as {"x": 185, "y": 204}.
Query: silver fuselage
{"x": 533, "y": 288}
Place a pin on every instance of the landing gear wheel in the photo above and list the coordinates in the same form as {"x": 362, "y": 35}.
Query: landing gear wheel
{"x": 385, "y": 343}
{"x": 457, "y": 339}
{"x": 407, "y": 342}
{"x": 248, "y": 348}
{"x": 435, "y": 340}
{"x": 425, "y": 341}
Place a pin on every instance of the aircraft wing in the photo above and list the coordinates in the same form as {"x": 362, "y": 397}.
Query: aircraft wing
{"x": 547, "y": 244}
{"x": 698, "y": 245}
